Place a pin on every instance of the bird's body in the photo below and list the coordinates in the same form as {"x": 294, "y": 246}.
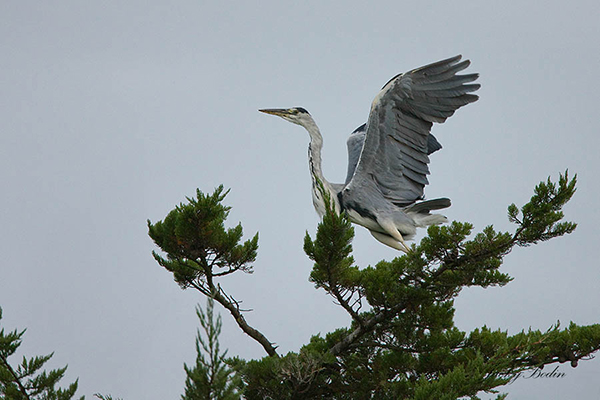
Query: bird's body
{"x": 388, "y": 156}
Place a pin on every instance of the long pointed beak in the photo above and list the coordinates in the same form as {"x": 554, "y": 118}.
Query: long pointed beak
{"x": 275, "y": 111}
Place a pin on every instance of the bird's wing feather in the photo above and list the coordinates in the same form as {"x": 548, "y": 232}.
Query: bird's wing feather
{"x": 397, "y": 140}
{"x": 355, "y": 144}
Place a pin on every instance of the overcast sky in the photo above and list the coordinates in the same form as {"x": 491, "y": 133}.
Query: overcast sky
{"x": 112, "y": 112}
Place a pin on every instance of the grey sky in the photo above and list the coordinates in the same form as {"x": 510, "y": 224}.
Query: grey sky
{"x": 112, "y": 113}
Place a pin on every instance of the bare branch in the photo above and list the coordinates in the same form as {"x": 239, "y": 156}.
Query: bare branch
{"x": 241, "y": 321}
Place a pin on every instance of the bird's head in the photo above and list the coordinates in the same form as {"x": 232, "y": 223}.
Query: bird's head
{"x": 296, "y": 115}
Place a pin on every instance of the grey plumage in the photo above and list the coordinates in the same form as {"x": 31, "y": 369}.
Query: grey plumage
{"x": 355, "y": 143}
{"x": 388, "y": 157}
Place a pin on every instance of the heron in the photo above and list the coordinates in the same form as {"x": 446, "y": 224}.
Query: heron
{"x": 388, "y": 156}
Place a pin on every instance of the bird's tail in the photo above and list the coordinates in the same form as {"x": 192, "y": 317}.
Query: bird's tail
{"x": 420, "y": 212}
{"x": 424, "y": 207}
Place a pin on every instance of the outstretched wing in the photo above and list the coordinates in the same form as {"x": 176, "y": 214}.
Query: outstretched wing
{"x": 355, "y": 143}
{"x": 397, "y": 140}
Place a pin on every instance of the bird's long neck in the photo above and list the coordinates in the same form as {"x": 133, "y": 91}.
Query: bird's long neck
{"x": 316, "y": 171}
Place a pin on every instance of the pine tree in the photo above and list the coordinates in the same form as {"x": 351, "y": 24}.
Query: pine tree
{"x": 402, "y": 342}
{"x": 200, "y": 251}
{"x": 211, "y": 378}
{"x": 27, "y": 381}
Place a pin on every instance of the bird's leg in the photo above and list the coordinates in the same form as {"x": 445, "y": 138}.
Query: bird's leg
{"x": 390, "y": 241}
{"x": 392, "y": 231}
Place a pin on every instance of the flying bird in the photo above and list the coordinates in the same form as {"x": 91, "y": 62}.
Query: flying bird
{"x": 388, "y": 156}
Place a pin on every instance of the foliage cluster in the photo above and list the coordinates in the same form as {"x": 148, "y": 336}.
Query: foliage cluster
{"x": 402, "y": 342}
{"x": 28, "y": 381}
{"x": 210, "y": 377}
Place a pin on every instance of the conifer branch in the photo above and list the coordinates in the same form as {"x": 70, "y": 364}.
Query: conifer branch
{"x": 331, "y": 253}
{"x": 406, "y": 344}
{"x": 244, "y": 326}
{"x": 26, "y": 381}
{"x": 334, "y": 289}
{"x": 446, "y": 246}
{"x": 199, "y": 250}
{"x": 366, "y": 327}
{"x": 17, "y": 379}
